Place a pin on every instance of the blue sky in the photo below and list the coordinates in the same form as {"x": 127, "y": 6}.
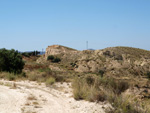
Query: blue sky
{"x": 34, "y": 24}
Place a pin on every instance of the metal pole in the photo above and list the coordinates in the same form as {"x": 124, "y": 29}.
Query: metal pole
{"x": 42, "y": 51}
{"x": 87, "y": 45}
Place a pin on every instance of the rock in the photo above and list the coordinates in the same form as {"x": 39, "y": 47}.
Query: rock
{"x": 82, "y": 68}
{"x": 54, "y": 68}
{"x": 57, "y": 49}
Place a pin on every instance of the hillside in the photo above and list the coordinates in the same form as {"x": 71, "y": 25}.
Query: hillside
{"x": 116, "y": 77}
{"x": 125, "y": 59}
{"x": 127, "y": 64}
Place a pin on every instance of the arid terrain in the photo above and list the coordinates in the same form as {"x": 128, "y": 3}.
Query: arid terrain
{"x": 65, "y": 80}
{"x": 30, "y": 97}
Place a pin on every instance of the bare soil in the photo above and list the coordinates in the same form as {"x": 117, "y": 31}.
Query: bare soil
{"x": 32, "y": 97}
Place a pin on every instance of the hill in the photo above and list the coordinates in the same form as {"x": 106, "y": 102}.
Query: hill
{"x": 119, "y": 75}
{"x": 127, "y": 59}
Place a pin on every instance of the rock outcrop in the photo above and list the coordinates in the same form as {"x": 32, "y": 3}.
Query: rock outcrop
{"x": 58, "y": 49}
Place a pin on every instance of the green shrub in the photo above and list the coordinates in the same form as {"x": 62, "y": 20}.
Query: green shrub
{"x": 101, "y": 72}
{"x": 51, "y": 57}
{"x": 148, "y": 75}
{"x": 73, "y": 64}
{"x": 56, "y": 60}
{"x": 11, "y": 61}
{"x": 44, "y": 70}
{"x": 26, "y": 54}
{"x": 50, "y": 81}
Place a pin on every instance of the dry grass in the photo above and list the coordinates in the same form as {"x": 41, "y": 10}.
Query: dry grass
{"x": 12, "y": 76}
{"x": 124, "y": 104}
{"x": 94, "y": 88}
{"x": 133, "y": 52}
{"x": 50, "y": 81}
{"x": 87, "y": 88}
{"x": 35, "y": 103}
{"x": 31, "y": 97}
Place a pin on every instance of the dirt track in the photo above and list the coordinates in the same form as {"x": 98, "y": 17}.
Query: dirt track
{"x": 30, "y": 97}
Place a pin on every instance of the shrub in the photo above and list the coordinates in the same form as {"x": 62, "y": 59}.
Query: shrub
{"x": 56, "y": 60}
{"x": 11, "y": 61}
{"x": 33, "y": 77}
{"x": 51, "y": 57}
{"x": 101, "y": 72}
{"x": 95, "y": 94}
{"x": 117, "y": 86}
{"x": 73, "y": 64}
{"x": 148, "y": 75}
{"x": 79, "y": 89}
{"x": 90, "y": 80}
{"x": 50, "y": 81}
{"x": 87, "y": 88}
{"x": 45, "y": 70}
{"x": 11, "y": 77}
{"x": 124, "y": 105}
{"x": 26, "y": 54}
{"x": 118, "y": 57}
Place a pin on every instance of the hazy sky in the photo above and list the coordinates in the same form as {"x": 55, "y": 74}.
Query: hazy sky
{"x": 34, "y": 24}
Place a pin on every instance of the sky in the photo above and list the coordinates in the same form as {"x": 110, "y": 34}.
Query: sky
{"x": 27, "y": 25}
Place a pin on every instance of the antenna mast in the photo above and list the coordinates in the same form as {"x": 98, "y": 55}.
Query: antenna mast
{"x": 87, "y": 45}
{"x": 42, "y": 51}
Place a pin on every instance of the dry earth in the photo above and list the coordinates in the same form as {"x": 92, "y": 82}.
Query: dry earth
{"x": 31, "y": 97}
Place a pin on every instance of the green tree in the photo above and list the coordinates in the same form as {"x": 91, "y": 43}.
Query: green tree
{"x": 11, "y": 61}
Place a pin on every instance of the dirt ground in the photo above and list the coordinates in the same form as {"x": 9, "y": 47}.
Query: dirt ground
{"x": 32, "y": 97}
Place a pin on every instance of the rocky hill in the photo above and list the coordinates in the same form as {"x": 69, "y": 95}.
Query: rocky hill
{"x": 109, "y": 74}
{"x": 119, "y": 61}
{"x": 124, "y": 60}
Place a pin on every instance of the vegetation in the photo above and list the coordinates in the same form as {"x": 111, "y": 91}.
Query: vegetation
{"x": 11, "y": 61}
{"x": 28, "y": 54}
{"x": 95, "y": 88}
{"x": 12, "y": 76}
{"x": 50, "y": 57}
{"x": 50, "y": 81}
{"x": 87, "y": 88}
{"x": 101, "y": 72}
{"x": 41, "y": 73}
{"x": 148, "y": 75}
{"x": 53, "y": 59}
{"x": 135, "y": 52}
{"x": 118, "y": 74}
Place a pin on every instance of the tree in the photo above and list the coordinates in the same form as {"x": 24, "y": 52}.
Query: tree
{"x": 11, "y": 61}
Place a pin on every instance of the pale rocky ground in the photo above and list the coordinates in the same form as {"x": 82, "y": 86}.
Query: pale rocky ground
{"x": 32, "y": 97}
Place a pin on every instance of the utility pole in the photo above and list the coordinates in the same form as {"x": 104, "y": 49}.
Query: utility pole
{"x": 87, "y": 45}
{"x": 42, "y": 51}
